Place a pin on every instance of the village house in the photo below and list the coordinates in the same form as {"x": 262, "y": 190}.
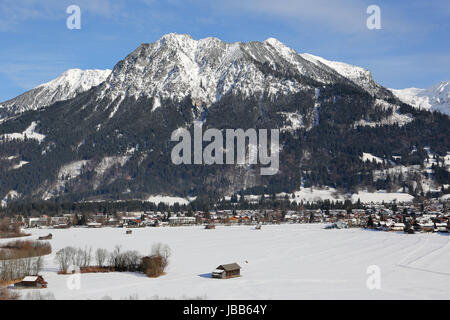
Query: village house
{"x": 37, "y": 222}
{"x": 60, "y": 220}
{"x": 132, "y": 222}
{"x": 94, "y": 225}
{"x": 178, "y": 221}
{"x": 398, "y": 226}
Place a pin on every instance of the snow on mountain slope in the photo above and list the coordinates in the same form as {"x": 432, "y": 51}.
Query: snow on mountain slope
{"x": 358, "y": 75}
{"x": 29, "y": 133}
{"x": 65, "y": 87}
{"x": 436, "y": 98}
{"x": 176, "y": 66}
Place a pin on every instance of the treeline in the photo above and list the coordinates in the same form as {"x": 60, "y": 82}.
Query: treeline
{"x": 118, "y": 260}
{"x": 19, "y": 259}
{"x": 203, "y": 203}
{"x": 10, "y": 230}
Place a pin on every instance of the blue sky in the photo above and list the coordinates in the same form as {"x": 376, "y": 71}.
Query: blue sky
{"x": 411, "y": 50}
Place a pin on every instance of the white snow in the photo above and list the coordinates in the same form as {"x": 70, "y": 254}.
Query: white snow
{"x": 358, "y": 75}
{"x": 12, "y": 194}
{"x": 176, "y": 66}
{"x": 105, "y": 164}
{"x": 168, "y": 200}
{"x": 370, "y": 157}
{"x": 436, "y": 98}
{"x": 320, "y": 194}
{"x": 66, "y": 86}
{"x": 294, "y": 121}
{"x": 19, "y": 165}
{"x": 66, "y": 173}
{"x": 77, "y": 80}
{"x": 380, "y": 196}
{"x": 29, "y": 133}
{"x": 72, "y": 170}
{"x": 305, "y": 262}
{"x": 315, "y": 194}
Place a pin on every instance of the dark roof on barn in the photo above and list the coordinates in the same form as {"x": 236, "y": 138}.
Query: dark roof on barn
{"x": 229, "y": 267}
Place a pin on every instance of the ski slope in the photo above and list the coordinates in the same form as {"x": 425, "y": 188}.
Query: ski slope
{"x": 283, "y": 262}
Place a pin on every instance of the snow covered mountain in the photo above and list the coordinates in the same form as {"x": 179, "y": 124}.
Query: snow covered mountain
{"x": 111, "y": 134}
{"x": 436, "y": 98}
{"x": 65, "y": 87}
{"x": 177, "y": 66}
{"x": 358, "y": 75}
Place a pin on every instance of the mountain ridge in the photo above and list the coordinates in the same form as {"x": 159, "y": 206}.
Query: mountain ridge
{"x": 64, "y": 87}
{"x": 435, "y": 98}
{"x": 113, "y": 140}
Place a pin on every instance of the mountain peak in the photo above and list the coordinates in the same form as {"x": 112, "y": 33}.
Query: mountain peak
{"x": 177, "y": 66}
{"x": 175, "y": 38}
{"x": 436, "y": 98}
{"x": 274, "y": 42}
{"x": 64, "y": 87}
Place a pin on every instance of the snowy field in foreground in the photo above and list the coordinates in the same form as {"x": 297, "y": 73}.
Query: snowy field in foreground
{"x": 284, "y": 262}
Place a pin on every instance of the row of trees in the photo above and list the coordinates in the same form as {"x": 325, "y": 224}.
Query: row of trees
{"x": 19, "y": 259}
{"x": 19, "y": 249}
{"x": 118, "y": 260}
{"x": 10, "y": 230}
{"x": 14, "y": 269}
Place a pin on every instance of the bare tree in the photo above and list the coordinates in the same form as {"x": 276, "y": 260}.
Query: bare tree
{"x": 82, "y": 258}
{"x": 163, "y": 251}
{"x": 100, "y": 256}
{"x": 65, "y": 257}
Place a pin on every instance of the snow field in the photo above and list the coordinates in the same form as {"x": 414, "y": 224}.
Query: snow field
{"x": 284, "y": 262}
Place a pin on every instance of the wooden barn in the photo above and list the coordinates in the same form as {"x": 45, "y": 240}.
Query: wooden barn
{"x": 226, "y": 271}
{"x": 32, "y": 282}
{"x": 47, "y": 237}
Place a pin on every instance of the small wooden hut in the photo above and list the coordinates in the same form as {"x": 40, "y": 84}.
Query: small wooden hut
{"x": 226, "y": 271}
{"x": 37, "y": 282}
{"x": 47, "y": 237}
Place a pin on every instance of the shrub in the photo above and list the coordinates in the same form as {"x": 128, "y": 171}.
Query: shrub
{"x": 155, "y": 264}
{"x": 19, "y": 249}
{"x": 124, "y": 261}
{"x": 7, "y": 294}
{"x": 10, "y": 230}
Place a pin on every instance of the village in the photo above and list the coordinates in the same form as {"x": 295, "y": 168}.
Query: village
{"x": 432, "y": 216}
